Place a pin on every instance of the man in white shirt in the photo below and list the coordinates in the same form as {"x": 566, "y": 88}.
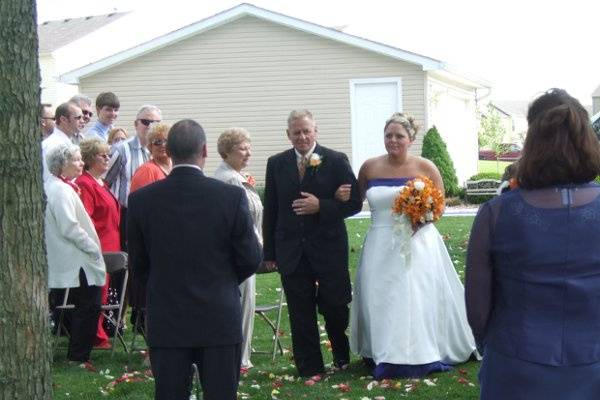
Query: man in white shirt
{"x": 67, "y": 118}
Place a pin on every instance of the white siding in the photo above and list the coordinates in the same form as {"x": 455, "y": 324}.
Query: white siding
{"x": 251, "y": 73}
{"x": 53, "y": 91}
{"x": 452, "y": 111}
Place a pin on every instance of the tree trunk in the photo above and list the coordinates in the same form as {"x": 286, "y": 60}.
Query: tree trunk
{"x": 25, "y": 351}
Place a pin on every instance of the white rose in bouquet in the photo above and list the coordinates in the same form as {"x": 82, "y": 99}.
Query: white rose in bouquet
{"x": 419, "y": 185}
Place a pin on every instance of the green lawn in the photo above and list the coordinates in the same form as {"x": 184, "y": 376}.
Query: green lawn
{"x": 492, "y": 166}
{"x": 278, "y": 380}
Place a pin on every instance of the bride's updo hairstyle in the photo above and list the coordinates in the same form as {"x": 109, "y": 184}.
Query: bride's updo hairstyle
{"x": 406, "y": 121}
{"x": 561, "y": 147}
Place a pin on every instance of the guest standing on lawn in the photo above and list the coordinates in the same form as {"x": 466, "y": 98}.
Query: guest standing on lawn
{"x": 234, "y": 147}
{"x": 73, "y": 248}
{"x": 305, "y": 238}
{"x": 533, "y": 264}
{"x": 191, "y": 238}
{"x": 102, "y": 207}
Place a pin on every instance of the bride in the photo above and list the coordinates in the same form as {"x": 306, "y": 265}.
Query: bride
{"x": 408, "y": 314}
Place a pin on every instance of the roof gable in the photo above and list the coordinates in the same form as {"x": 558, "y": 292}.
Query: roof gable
{"x": 53, "y": 35}
{"x": 240, "y": 11}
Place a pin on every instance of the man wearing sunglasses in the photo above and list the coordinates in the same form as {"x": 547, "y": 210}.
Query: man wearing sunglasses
{"x": 127, "y": 156}
{"x": 67, "y": 119}
{"x": 85, "y": 103}
{"x": 107, "y": 108}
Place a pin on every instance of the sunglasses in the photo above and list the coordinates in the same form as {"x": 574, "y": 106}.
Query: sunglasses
{"x": 159, "y": 142}
{"x": 87, "y": 113}
{"x": 147, "y": 122}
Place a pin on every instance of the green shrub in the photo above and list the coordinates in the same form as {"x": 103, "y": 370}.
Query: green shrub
{"x": 434, "y": 149}
{"x": 486, "y": 175}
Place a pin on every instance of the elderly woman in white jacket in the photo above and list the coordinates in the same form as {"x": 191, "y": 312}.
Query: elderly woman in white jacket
{"x": 73, "y": 249}
{"x": 234, "y": 147}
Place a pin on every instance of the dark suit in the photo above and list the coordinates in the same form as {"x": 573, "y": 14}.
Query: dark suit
{"x": 191, "y": 240}
{"x": 311, "y": 251}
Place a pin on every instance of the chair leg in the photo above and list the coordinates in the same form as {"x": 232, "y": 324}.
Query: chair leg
{"x": 276, "y": 340}
{"x": 196, "y": 382}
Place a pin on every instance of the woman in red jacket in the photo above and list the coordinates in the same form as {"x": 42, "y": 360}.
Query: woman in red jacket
{"x": 102, "y": 207}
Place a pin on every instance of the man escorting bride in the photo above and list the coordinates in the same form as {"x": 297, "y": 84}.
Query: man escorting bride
{"x": 408, "y": 315}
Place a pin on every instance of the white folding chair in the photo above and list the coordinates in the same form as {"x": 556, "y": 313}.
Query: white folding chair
{"x": 115, "y": 262}
{"x": 263, "y": 310}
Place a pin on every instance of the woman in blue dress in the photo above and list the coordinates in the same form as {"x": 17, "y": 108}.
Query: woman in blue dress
{"x": 533, "y": 264}
{"x": 408, "y": 316}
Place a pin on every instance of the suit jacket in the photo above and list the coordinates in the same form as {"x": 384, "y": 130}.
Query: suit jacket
{"x": 191, "y": 241}
{"x": 320, "y": 237}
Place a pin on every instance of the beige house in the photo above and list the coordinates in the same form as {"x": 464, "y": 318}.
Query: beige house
{"x": 249, "y": 67}
{"x": 513, "y": 115}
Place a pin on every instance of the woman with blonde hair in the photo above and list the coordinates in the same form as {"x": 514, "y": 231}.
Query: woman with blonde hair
{"x": 103, "y": 208}
{"x": 160, "y": 164}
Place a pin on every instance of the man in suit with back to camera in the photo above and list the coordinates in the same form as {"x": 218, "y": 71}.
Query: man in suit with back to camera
{"x": 192, "y": 241}
{"x": 305, "y": 239}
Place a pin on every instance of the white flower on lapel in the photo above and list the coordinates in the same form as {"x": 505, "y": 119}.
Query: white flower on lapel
{"x": 315, "y": 160}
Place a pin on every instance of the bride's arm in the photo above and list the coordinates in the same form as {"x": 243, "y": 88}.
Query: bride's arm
{"x": 343, "y": 192}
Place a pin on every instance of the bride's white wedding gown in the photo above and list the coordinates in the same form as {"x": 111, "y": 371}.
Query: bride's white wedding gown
{"x": 408, "y": 304}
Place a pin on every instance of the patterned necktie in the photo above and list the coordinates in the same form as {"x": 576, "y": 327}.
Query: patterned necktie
{"x": 302, "y": 167}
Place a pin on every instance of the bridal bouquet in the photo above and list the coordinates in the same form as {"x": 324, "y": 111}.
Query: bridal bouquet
{"x": 420, "y": 201}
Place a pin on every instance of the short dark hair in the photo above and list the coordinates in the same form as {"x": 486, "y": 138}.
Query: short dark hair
{"x": 107, "y": 99}
{"x": 185, "y": 141}
{"x": 63, "y": 110}
{"x": 560, "y": 147}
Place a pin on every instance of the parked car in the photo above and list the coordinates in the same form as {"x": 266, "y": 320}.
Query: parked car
{"x": 508, "y": 152}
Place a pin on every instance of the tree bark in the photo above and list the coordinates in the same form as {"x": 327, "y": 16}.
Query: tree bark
{"x": 25, "y": 351}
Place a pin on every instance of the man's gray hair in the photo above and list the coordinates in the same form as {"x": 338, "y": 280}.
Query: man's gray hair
{"x": 298, "y": 114}
{"x": 80, "y": 98}
{"x": 146, "y": 108}
{"x": 58, "y": 157}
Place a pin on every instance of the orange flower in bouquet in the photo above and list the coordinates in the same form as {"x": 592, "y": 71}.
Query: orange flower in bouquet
{"x": 420, "y": 201}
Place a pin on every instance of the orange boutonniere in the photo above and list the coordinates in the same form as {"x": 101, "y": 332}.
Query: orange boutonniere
{"x": 420, "y": 201}
{"x": 250, "y": 179}
{"x": 315, "y": 160}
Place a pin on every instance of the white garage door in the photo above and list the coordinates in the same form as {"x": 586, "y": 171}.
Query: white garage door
{"x": 372, "y": 101}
